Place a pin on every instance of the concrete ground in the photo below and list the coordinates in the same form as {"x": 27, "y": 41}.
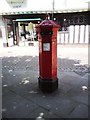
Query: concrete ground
{"x": 21, "y": 97}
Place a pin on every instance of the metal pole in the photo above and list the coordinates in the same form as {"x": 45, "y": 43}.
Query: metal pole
{"x": 14, "y": 27}
{"x": 53, "y": 10}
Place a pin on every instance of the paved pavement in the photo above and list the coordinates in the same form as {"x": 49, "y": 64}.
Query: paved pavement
{"x": 21, "y": 97}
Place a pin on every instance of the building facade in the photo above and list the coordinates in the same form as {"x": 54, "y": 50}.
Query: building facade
{"x": 16, "y": 16}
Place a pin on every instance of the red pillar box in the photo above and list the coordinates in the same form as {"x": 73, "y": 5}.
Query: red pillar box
{"x": 47, "y": 37}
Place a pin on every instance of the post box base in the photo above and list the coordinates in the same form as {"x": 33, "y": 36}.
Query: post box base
{"x": 48, "y": 85}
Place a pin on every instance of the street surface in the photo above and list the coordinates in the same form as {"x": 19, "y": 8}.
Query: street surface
{"x": 21, "y": 97}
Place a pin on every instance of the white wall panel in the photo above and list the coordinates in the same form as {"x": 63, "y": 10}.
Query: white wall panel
{"x": 71, "y": 31}
{"x": 87, "y": 34}
{"x": 82, "y": 33}
{"x": 76, "y": 33}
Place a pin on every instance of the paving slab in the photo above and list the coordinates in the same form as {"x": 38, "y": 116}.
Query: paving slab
{"x": 81, "y": 111}
{"x": 42, "y": 113}
{"x": 74, "y": 80}
{"x": 15, "y": 106}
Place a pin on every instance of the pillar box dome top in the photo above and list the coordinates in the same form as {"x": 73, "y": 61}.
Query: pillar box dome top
{"x": 47, "y": 24}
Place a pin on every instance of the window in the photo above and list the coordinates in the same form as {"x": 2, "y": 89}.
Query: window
{"x": 81, "y": 19}
{"x": 65, "y": 25}
{"x": 76, "y": 19}
{"x": 71, "y": 20}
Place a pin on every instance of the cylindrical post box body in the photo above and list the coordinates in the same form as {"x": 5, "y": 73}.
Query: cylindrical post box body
{"x": 47, "y": 37}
